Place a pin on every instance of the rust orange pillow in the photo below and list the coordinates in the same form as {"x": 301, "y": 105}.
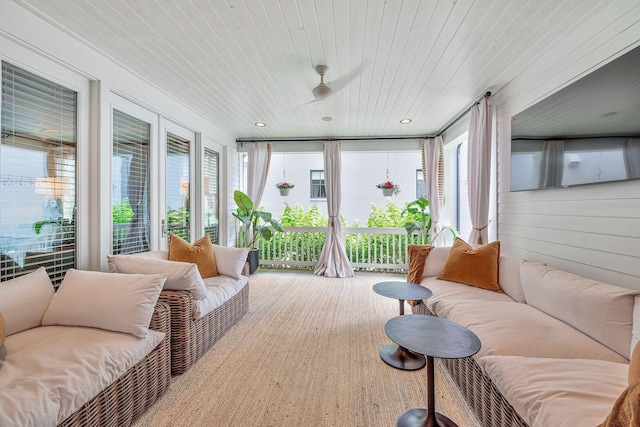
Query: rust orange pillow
{"x": 473, "y": 266}
{"x": 200, "y": 254}
{"x": 3, "y": 330}
{"x": 634, "y": 365}
{"x": 417, "y": 256}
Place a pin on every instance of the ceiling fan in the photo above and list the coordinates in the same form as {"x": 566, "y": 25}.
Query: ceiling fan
{"x": 321, "y": 91}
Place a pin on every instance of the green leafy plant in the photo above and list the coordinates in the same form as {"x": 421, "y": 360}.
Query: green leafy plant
{"x": 122, "y": 212}
{"x": 256, "y": 223}
{"x": 419, "y": 208}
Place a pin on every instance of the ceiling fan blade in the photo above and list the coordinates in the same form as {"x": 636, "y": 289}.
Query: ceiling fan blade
{"x": 339, "y": 84}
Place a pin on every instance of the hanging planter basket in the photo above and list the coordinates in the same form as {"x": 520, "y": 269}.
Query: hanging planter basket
{"x": 284, "y": 187}
{"x": 387, "y": 192}
{"x": 388, "y": 188}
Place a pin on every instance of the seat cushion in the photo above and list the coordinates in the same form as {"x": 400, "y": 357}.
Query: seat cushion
{"x": 51, "y": 371}
{"x": 557, "y": 392}
{"x": 515, "y": 329}
{"x": 444, "y": 292}
{"x": 220, "y": 289}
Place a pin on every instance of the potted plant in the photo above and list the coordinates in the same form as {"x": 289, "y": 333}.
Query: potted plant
{"x": 389, "y": 188}
{"x": 256, "y": 224}
{"x": 419, "y": 209}
{"x": 284, "y": 187}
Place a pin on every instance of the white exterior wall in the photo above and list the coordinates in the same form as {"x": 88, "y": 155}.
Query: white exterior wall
{"x": 591, "y": 230}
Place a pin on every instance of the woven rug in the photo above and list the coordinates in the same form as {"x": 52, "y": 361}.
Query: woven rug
{"x": 307, "y": 353}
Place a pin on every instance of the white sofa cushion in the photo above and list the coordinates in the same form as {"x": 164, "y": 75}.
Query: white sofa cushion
{"x": 602, "y": 311}
{"x": 445, "y": 293}
{"x": 435, "y": 261}
{"x": 509, "y": 277}
{"x": 220, "y": 289}
{"x": 24, "y": 300}
{"x": 115, "y": 302}
{"x": 49, "y": 372}
{"x": 181, "y": 276}
{"x": 230, "y": 261}
{"x": 558, "y": 392}
{"x": 515, "y": 329}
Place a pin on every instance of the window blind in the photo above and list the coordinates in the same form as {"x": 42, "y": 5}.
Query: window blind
{"x": 211, "y": 194}
{"x": 177, "y": 184}
{"x": 37, "y": 175}
{"x": 130, "y": 190}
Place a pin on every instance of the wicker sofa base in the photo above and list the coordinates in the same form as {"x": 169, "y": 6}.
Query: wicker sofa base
{"x": 491, "y": 408}
{"x": 137, "y": 389}
{"x": 190, "y": 339}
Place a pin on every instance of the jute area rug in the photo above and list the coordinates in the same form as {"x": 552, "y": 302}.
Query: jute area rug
{"x": 306, "y": 354}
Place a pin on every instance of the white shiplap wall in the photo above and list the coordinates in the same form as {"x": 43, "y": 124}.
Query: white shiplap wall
{"x": 591, "y": 230}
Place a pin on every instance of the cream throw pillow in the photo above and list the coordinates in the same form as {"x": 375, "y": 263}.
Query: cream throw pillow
{"x": 24, "y": 300}
{"x": 114, "y": 302}
{"x": 230, "y": 261}
{"x": 200, "y": 253}
{"x": 602, "y": 311}
{"x": 181, "y": 276}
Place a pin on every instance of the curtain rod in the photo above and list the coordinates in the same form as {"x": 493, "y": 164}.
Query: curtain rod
{"x": 462, "y": 114}
{"x": 374, "y": 138}
{"x": 359, "y": 138}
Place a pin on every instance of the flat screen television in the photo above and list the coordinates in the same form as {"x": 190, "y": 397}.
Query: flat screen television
{"x": 586, "y": 133}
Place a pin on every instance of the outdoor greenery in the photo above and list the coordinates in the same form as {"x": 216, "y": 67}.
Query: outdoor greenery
{"x": 377, "y": 248}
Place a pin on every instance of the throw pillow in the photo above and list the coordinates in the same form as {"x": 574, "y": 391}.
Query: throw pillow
{"x": 3, "y": 330}
{"x": 181, "y": 276}
{"x": 417, "y": 257}
{"x": 626, "y": 410}
{"x": 24, "y": 300}
{"x": 110, "y": 301}
{"x": 200, "y": 253}
{"x": 230, "y": 261}
{"x": 634, "y": 365}
{"x": 473, "y": 266}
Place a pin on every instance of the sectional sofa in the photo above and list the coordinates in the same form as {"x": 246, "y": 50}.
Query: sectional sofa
{"x": 555, "y": 348}
{"x": 94, "y": 353}
{"x": 202, "y": 310}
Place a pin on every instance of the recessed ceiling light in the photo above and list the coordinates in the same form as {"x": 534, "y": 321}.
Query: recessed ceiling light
{"x": 405, "y": 121}
{"x": 261, "y": 125}
{"x": 327, "y": 118}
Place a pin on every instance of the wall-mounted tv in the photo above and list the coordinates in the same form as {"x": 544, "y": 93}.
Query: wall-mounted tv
{"x": 588, "y": 132}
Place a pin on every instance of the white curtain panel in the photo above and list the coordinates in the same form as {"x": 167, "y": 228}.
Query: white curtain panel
{"x": 479, "y": 170}
{"x": 257, "y": 170}
{"x": 552, "y": 164}
{"x": 333, "y": 261}
{"x": 432, "y": 170}
{"x": 631, "y": 153}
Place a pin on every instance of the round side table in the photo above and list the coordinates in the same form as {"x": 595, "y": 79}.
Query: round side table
{"x": 393, "y": 354}
{"x": 433, "y": 337}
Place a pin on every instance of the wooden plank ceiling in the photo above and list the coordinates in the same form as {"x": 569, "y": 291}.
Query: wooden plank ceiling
{"x": 238, "y": 62}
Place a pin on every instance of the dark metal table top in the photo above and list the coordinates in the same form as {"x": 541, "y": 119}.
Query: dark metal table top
{"x": 432, "y": 336}
{"x": 402, "y": 290}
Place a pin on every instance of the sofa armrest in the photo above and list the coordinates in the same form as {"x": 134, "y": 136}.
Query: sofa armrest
{"x": 161, "y": 318}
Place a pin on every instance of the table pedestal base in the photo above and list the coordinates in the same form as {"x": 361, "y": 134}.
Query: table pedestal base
{"x": 418, "y": 418}
{"x": 401, "y": 358}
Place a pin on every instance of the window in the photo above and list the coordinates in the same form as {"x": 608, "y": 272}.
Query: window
{"x": 130, "y": 188}
{"x": 210, "y": 216}
{"x": 317, "y": 185}
{"x": 420, "y": 190}
{"x": 178, "y": 177}
{"x": 37, "y": 175}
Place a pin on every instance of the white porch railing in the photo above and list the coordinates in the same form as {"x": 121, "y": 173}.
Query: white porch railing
{"x": 368, "y": 249}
